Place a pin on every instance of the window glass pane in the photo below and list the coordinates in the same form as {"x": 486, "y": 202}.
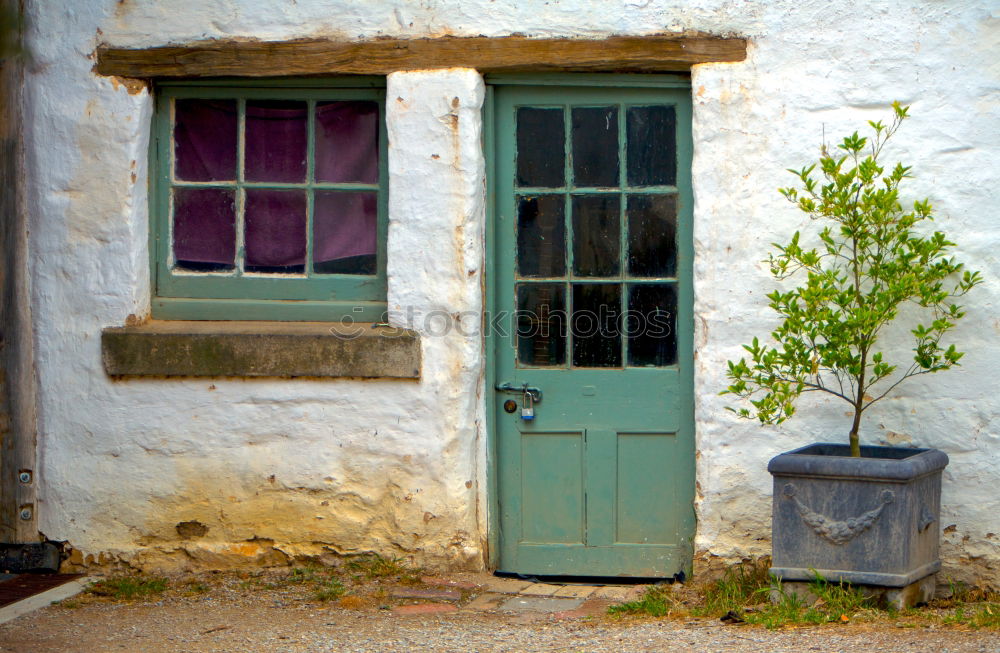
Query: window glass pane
{"x": 347, "y": 142}
{"x": 345, "y": 229}
{"x": 652, "y": 229}
{"x": 596, "y": 325}
{"x": 596, "y": 235}
{"x": 651, "y": 325}
{"x": 541, "y": 324}
{"x": 275, "y": 230}
{"x": 595, "y": 146}
{"x": 204, "y": 229}
{"x": 540, "y": 147}
{"x": 275, "y": 147}
{"x": 541, "y": 236}
{"x": 205, "y": 140}
{"x": 652, "y": 145}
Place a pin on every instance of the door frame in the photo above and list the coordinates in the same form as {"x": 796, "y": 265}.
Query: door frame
{"x": 673, "y": 80}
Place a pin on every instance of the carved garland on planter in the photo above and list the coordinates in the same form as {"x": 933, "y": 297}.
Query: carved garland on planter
{"x": 838, "y": 531}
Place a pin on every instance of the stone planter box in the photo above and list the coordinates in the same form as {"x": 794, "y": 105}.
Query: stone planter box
{"x": 872, "y": 520}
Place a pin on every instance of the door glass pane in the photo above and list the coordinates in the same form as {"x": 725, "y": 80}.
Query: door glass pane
{"x": 541, "y": 158}
{"x": 596, "y": 235}
{"x": 651, "y": 325}
{"x": 541, "y": 236}
{"x": 595, "y": 146}
{"x": 205, "y": 140}
{"x": 347, "y": 142}
{"x": 651, "y": 145}
{"x": 596, "y": 325}
{"x": 275, "y": 147}
{"x": 541, "y": 324}
{"x": 204, "y": 229}
{"x": 275, "y": 231}
{"x": 652, "y": 230}
{"x": 345, "y": 232}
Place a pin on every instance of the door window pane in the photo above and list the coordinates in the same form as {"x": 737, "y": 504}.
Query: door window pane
{"x": 595, "y": 146}
{"x": 652, "y": 145}
{"x": 205, "y": 140}
{"x": 275, "y": 141}
{"x": 345, "y": 233}
{"x": 596, "y": 235}
{"x": 204, "y": 229}
{"x": 652, "y": 235}
{"x": 541, "y": 236}
{"x": 596, "y": 325}
{"x": 275, "y": 231}
{"x": 541, "y": 324}
{"x": 347, "y": 142}
{"x": 541, "y": 158}
{"x": 651, "y": 325}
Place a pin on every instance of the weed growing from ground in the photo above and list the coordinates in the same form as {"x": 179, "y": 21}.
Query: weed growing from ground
{"x": 374, "y": 566}
{"x": 835, "y": 602}
{"x": 983, "y": 615}
{"x": 744, "y": 594}
{"x": 744, "y": 584}
{"x": 128, "y": 588}
{"x": 330, "y": 590}
{"x": 658, "y": 601}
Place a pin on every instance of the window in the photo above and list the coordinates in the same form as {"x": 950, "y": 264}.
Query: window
{"x": 269, "y": 200}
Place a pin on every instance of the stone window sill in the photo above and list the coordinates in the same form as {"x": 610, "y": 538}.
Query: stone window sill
{"x": 255, "y": 349}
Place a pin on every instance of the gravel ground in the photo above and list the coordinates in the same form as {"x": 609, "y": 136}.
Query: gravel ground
{"x": 264, "y": 624}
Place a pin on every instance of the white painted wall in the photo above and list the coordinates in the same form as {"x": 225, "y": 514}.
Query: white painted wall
{"x": 398, "y": 466}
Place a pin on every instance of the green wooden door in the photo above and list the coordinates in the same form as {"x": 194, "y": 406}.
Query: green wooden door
{"x": 592, "y": 259}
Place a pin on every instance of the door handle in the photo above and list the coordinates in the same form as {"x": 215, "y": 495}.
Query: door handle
{"x": 536, "y": 393}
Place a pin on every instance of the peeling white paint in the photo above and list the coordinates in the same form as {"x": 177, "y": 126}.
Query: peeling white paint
{"x": 122, "y": 462}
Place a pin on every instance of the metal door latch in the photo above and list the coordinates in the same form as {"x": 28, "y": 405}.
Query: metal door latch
{"x": 525, "y": 389}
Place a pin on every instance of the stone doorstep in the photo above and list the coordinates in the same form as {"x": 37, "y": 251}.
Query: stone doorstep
{"x": 424, "y": 608}
{"x": 540, "y": 589}
{"x": 546, "y": 604}
{"x": 589, "y": 608}
{"x": 485, "y": 602}
{"x": 505, "y": 585}
{"x": 426, "y": 594}
{"x": 619, "y": 593}
{"x": 576, "y": 591}
{"x": 438, "y": 581}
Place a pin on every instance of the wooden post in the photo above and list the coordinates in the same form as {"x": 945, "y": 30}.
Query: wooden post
{"x": 18, "y": 472}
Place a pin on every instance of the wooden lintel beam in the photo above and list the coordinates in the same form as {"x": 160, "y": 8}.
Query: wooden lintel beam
{"x": 646, "y": 54}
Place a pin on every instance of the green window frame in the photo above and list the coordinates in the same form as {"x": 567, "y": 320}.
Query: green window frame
{"x": 237, "y": 295}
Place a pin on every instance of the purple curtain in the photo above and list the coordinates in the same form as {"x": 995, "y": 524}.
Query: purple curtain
{"x": 205, "y": 140}
{"x": 204, "y": 228}
{"x": 344, "y": 225}
{"x": 344, "y": 222}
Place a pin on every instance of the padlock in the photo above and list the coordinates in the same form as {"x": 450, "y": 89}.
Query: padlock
{"x": 528, "y": 406}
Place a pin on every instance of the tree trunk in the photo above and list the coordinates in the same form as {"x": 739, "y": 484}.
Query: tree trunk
{"x": 854, "y": 438}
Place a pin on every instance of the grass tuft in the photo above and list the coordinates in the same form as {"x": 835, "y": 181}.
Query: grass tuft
{"x": 128, "y": 588}
{"x": 744, "y": 584}
{"x": 331, "y": 590}
{"x": 981, "y": 615}
{"x": 658, "y": 601}
{"x": 373, "y": 566}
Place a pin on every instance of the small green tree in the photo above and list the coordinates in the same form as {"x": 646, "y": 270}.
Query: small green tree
{"x": 868, "y": 264}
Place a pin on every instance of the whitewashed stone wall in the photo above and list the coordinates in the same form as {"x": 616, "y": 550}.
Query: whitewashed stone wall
{"x": 399, "y": 467}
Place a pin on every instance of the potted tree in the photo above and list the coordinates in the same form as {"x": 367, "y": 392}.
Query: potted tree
{"x": 851, "y": 512}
